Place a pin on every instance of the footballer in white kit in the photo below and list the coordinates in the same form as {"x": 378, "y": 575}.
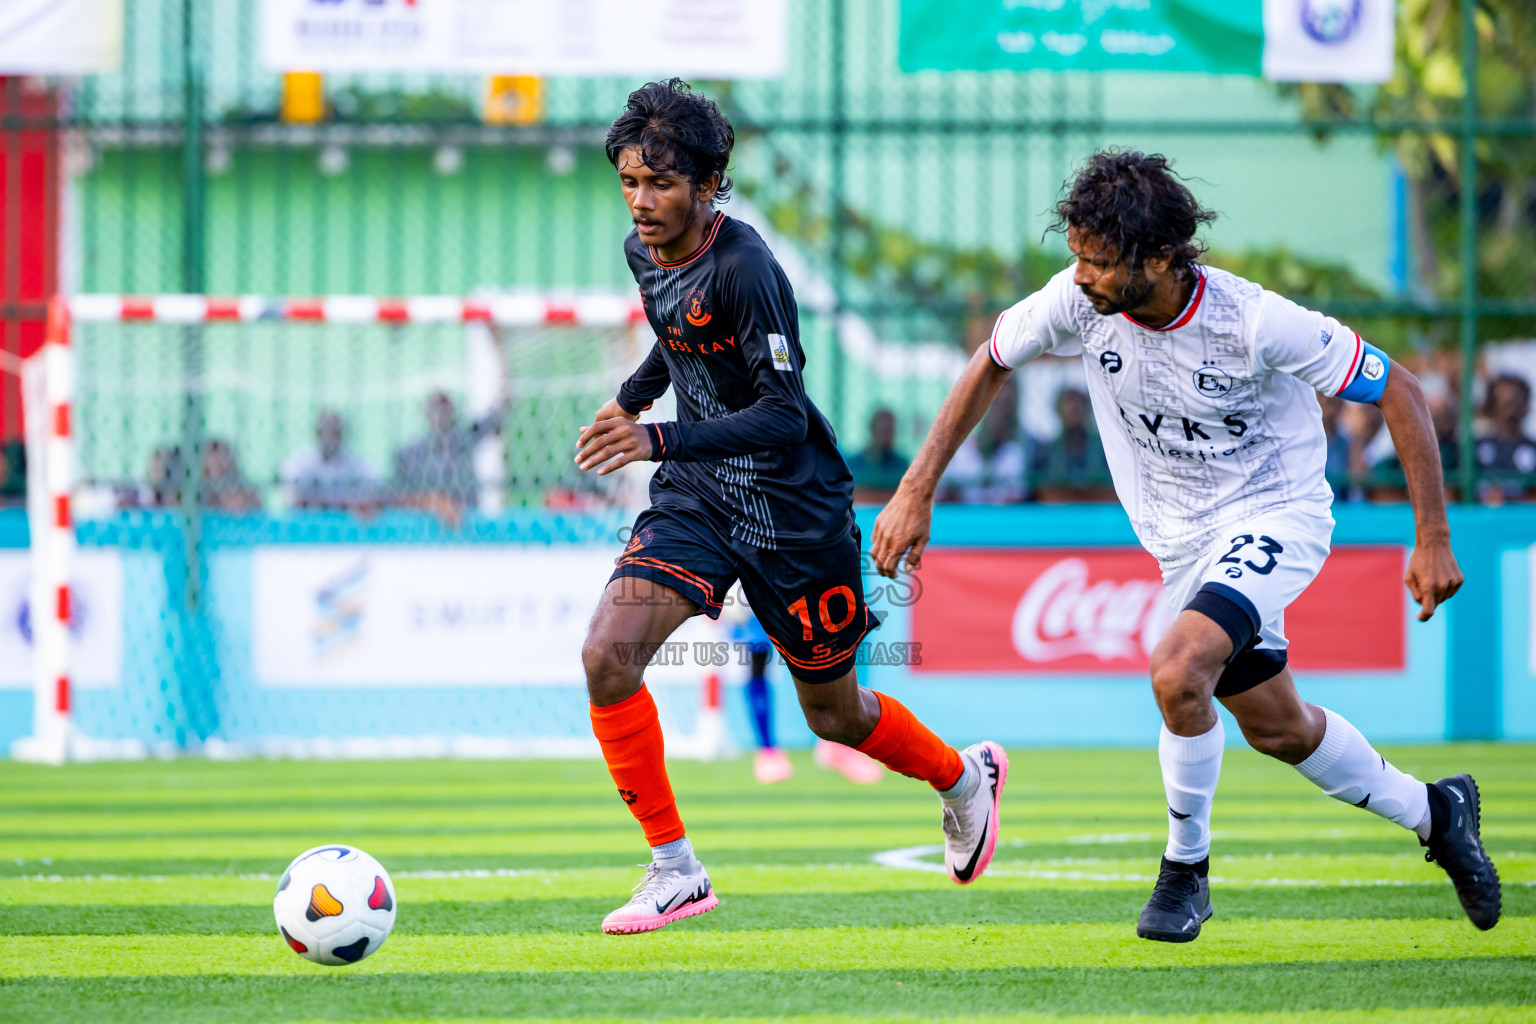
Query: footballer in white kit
{"x": 1204, "y": 388}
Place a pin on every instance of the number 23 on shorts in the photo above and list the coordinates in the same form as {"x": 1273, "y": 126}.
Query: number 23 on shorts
{"x": 1267, "y": 546}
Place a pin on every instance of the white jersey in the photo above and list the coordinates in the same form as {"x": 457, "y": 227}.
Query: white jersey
{"x": 1206, "y": 422}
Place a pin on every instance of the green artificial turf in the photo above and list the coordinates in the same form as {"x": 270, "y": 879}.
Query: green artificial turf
{"x": 142, "y": 892}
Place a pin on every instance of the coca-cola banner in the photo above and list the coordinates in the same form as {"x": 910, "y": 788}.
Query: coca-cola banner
{"x": 1102, "y": 611}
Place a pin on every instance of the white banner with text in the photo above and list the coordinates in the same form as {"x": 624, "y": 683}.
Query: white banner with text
{"x": 692, "y": 38}
{"x": 487, "y": 615}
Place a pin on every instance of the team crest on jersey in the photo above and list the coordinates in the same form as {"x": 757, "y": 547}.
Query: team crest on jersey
{"x": 698, "y": 308}
{"x": 1211, "y": 381}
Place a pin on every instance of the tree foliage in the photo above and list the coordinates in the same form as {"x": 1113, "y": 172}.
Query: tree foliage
{"x": 1428, "y": 87}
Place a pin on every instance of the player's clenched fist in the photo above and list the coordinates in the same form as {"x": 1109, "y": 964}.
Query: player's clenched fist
{"x": 901, "y": 528}
{"x": 1433, "y": 576}
{"x": 612, "y": 440}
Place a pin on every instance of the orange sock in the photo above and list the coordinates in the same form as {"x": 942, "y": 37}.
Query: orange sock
{"x": 905, "y": 745}
{"x": 630, "y": 735}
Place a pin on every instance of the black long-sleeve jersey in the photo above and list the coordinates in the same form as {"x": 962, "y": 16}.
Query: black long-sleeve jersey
{"x": 748, "y": 449}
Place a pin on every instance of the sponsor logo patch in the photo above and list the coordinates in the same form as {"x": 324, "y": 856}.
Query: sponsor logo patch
{"x": 778, "y": 347}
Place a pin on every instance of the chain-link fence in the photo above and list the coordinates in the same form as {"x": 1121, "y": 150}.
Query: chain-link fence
{"x": 913, "y": 206}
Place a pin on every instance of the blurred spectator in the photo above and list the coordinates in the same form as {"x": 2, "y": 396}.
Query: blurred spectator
{"x": 163, "y": 481}
{"x": 1363, "y": 427}
{"x": 437, "y": 473}
{"x": 328, "y": 476}
{"x": 1072, "y": 466}
{"x": 13, "y": 473}
{"x": 1506, "y": 457}
{"x": 222, "y": 487}
{"x": 989, "y": 467}
{"x": 1336, "y": 460}
{"x": 878, "y": 468}
{"x": 1445, "y": 415}
{"x": 1389, "y": 483}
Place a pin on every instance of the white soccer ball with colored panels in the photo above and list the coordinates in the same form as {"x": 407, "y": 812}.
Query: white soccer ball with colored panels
{"x": 334, "y": 905}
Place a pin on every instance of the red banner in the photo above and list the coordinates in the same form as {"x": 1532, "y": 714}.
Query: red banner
{"x": 1043, "y": 610}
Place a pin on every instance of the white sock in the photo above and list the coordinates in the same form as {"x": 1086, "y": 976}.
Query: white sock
{"x": 964, "y": 786}
{"x": 1346, "y": 768}
{"x": 1191, "y": 766}
{"x": 676, "y": 855}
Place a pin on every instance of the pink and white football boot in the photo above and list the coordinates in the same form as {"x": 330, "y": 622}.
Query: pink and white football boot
{"x": 663, "y": 896}
{"x": 971, "y": 822}
{"x": 770, "y": 766}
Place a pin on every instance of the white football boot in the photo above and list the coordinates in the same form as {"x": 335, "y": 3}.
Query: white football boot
{"x": 970, "y": 824}
{"x": 663, "y": 896}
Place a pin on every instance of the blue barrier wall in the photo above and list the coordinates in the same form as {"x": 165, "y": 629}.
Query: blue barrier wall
{"x": 187, "y": 678}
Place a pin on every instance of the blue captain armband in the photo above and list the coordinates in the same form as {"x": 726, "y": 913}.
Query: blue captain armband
{"x": 1370, "y": 379}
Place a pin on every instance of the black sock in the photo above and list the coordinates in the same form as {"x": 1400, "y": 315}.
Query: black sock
{"x": 1439, "y": 811}
{"x": 1202, "y": 867}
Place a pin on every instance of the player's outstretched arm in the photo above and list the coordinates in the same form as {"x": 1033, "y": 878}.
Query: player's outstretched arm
{"x": 1433, "y": 575}
{"x": 901, "y": 529}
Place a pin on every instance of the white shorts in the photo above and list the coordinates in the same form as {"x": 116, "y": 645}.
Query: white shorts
{"x": 1262, "y": 563}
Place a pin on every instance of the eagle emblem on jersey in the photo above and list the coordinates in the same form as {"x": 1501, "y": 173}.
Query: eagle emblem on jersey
{"x": 698, "y": 308}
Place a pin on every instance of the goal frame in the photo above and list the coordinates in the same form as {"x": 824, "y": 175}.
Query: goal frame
{"x": 48, "y": 387}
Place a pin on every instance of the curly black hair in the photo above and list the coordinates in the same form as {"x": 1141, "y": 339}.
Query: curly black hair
{"x": 1134, "y": 202}
{"x": 677, "y": 130}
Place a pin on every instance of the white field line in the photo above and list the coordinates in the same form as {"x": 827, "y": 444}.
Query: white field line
{"x": 269, "y": 876}
{"x": 910, "y": 858}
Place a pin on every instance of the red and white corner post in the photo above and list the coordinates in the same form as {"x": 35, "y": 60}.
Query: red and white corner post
{"x": 48, "y": 380}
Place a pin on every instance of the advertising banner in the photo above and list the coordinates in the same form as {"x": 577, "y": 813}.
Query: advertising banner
{"x": 362, "y": 615}
{"x": 1285, "y": 40}
{"x": 1102, "y": 611}
{"x": 96, "y": 618}
{"x": 60, "y": 37}
{"x": 703, "y": 38}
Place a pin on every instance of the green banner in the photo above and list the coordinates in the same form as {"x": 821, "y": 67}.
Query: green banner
{"x": 1221, "y": 36}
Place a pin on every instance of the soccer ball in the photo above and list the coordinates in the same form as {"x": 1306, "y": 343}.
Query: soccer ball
{"x": 334, "y": 905}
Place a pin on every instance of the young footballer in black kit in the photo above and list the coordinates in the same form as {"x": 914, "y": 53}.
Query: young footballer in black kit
{"x": 751, "y": 488}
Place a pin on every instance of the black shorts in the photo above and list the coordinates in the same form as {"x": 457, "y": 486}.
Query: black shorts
{"x": 810, "y": 601}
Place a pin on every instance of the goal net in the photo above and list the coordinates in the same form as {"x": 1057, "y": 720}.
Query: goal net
{"x": 342, "y": 526}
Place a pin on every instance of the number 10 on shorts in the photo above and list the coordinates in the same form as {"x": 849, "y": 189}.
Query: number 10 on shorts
{"x": 801, "y": 609}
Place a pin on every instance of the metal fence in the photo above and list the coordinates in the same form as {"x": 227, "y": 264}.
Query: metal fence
{"x": 916, "y": 205}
